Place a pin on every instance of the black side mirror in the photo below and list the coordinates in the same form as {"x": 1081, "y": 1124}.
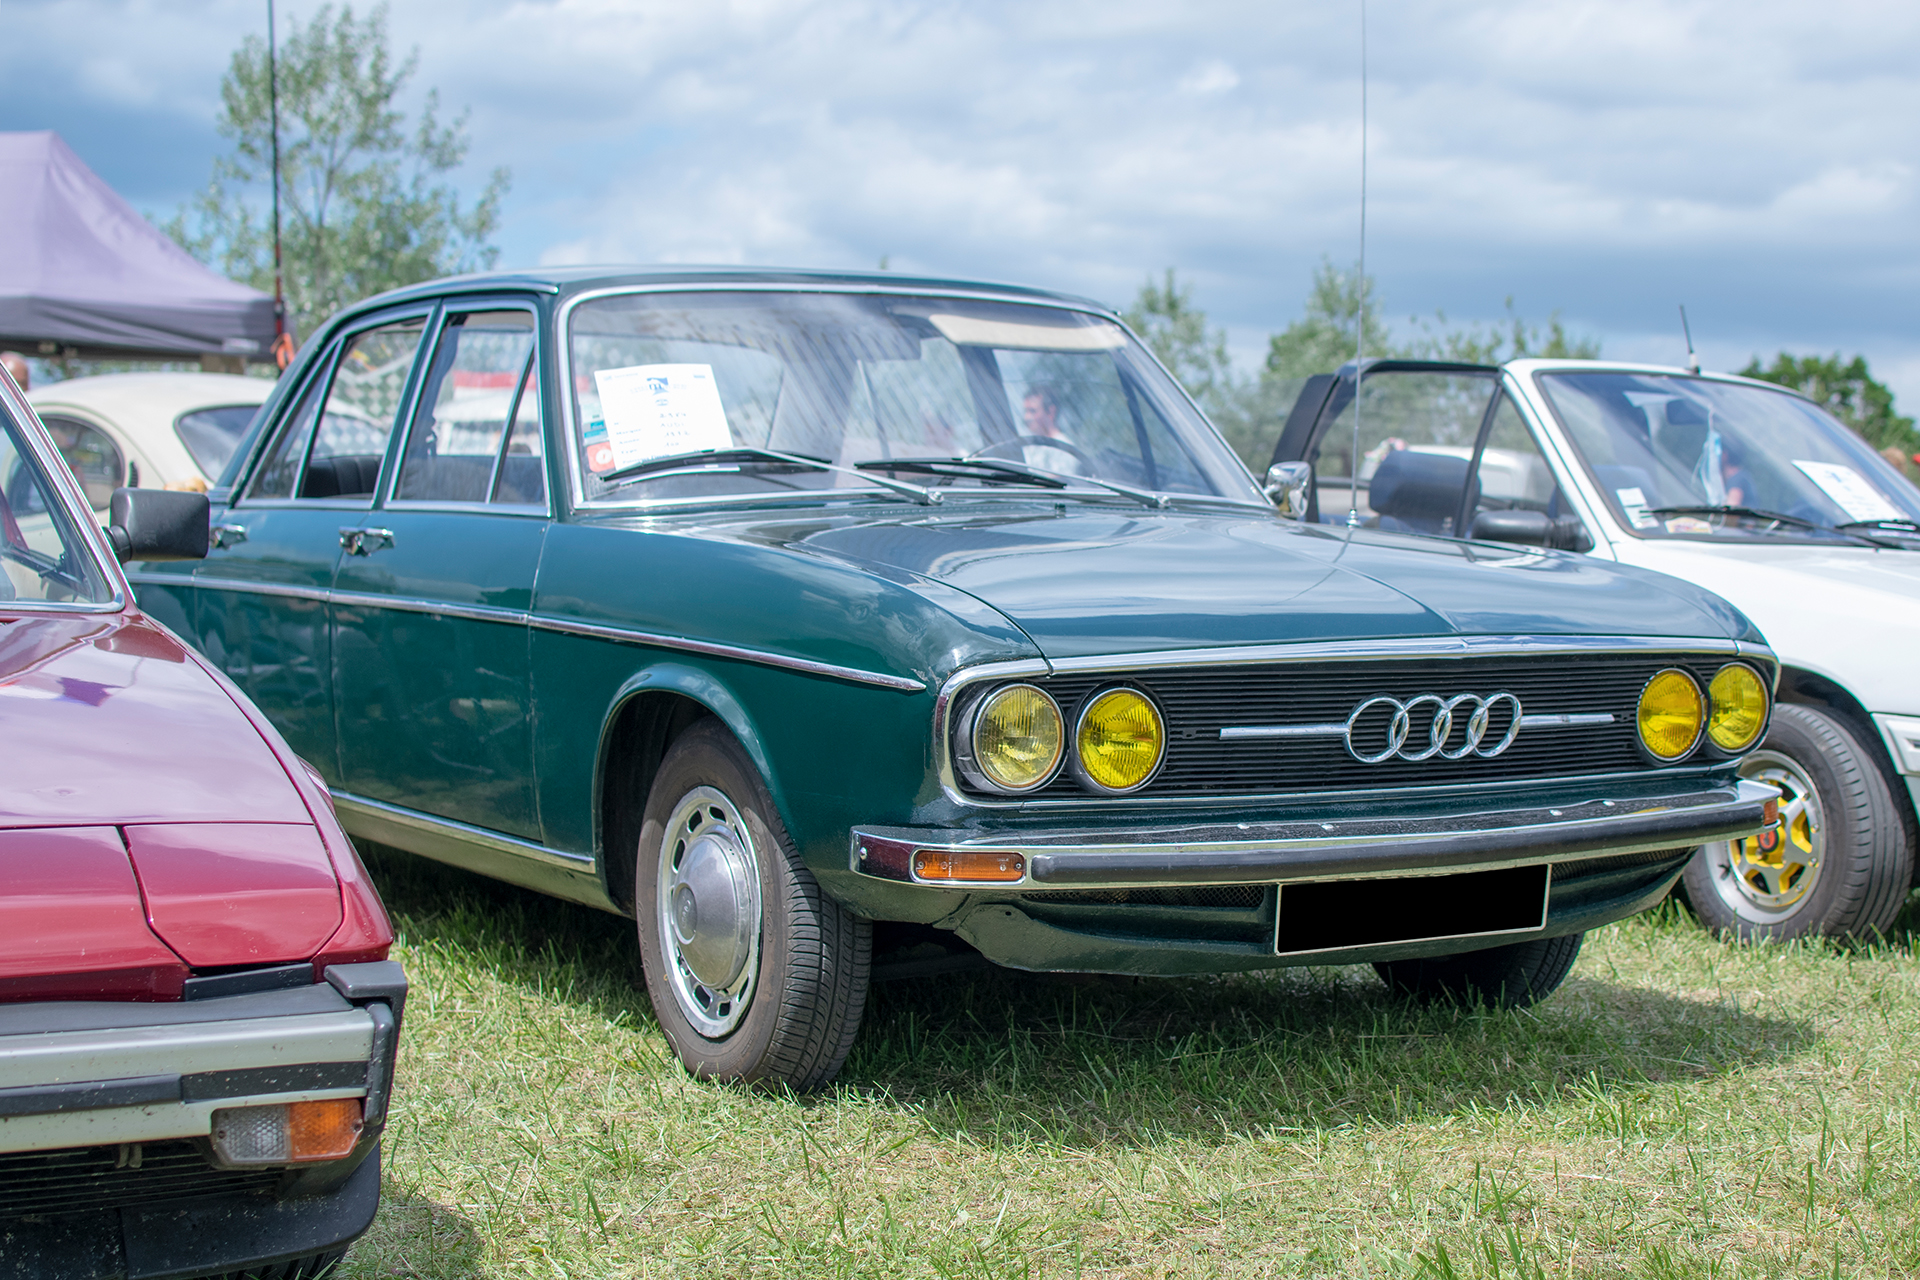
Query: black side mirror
{"x": 157, "y": 524}
{"x": 1532, "y": 529}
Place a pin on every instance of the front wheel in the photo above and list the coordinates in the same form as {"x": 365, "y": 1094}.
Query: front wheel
{"x": 1510, "y": 977}
{"x": 1839, "y": 863}
{"x": 754, "y": 973}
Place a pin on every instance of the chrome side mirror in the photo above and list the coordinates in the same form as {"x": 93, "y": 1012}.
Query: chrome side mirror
{"x": 1290, "y": 485}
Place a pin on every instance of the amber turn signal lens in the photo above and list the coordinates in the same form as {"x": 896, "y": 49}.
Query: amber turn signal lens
{"x": 287, "y": 1134}
{"x": 1120, "y": 740}
{"x": 948, "y": 866}
{"x": 1018, "y": 737}
{"x": 1739, "y": 707}
{"x": 1670, "y": 715}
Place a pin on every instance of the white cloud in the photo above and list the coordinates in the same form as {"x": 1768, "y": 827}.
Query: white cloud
{"x": 1603, "y": 157}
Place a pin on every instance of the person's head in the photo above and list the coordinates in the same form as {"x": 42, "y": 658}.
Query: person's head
{"x": 1041, "y": 411}
{"x": 16, "y": 364}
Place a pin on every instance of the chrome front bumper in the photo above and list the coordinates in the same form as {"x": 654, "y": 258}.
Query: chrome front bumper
{"x": 1347, "y": 849}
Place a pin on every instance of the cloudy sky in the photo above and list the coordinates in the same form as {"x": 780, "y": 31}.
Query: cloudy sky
{"x": 1609, "y": 159}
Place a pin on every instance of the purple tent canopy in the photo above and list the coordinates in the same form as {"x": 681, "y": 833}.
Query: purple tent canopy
{"x": 82, "y": 271}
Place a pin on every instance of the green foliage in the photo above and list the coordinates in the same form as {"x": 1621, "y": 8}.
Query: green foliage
{"x": 1847, "y": 390}
{"x": 1510, "y": 339}
{"x": 1325, "y": 336}
{"x": 364, "y": 203}
{"x": 1176, "y": 330}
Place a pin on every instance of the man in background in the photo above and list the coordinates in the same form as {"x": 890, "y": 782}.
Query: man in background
{"x": 16, "y": 364}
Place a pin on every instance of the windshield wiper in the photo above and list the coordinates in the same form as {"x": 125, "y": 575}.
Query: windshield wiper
{"x": 986, "y": 470}
{"x": 1775, "y": 517}
{"x": 1891, "y": 523}
{"x": 716, "y": 459}
{"x": 1751, "y": 513}
{"x": 1146, "y": 496}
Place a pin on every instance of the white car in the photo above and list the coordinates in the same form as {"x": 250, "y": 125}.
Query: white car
{"x": 1735, "y": 485}
{"x": 147, "y": 430}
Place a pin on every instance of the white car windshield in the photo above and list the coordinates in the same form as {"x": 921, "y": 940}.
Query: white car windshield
{"x": 858, "y": 392}
{"x": 1680, "y": 456}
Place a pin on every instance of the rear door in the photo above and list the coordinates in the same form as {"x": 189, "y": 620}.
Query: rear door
{"x": 433, "y": 588}
{"x": 261, "y": 610}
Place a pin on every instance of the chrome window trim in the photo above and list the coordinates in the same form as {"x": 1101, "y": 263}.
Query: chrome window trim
{"x": 492, "y": 840}
{"x": 1314, "y": 651}
{"x": 521, "y": 509}
{"x": 563, "y": 319}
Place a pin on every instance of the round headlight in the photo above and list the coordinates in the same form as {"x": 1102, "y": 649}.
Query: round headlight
{"x": 1738, "y": 707}
{"x": 1015, "y": 740}
{"x": 1671, "y": 713}
{"x": 1120, "y": 740}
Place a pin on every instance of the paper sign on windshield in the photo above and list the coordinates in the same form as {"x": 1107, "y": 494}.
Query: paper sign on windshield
{"x": 1850, "y": 491}
{"x": 1634, "y": 503}
{"x": 654, "y": 410}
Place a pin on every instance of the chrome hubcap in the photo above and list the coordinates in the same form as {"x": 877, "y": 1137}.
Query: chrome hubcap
{"x": 1769, "y": 875}
{"x": 709, "y": 903}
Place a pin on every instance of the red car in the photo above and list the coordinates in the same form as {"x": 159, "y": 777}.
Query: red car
{"x": 198, "y": 1018}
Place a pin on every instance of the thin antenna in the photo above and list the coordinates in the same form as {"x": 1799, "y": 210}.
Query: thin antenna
{"x": 1693, "y": 361}
{"x": 282, "y": 342}
{"x": 1360, "y": 336}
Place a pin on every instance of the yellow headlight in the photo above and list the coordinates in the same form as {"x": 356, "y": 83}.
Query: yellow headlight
{"x": 1739, "y": 707}
{"x": 1018, "y": 736}
{"x": 1670, "y": 714}
{"x": 1120, "y": 740}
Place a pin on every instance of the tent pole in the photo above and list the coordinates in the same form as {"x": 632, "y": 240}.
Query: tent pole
{"x": 282, "y": 340}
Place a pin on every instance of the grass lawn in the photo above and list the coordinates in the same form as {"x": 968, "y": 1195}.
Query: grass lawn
{"x": 1681, "y": 1107}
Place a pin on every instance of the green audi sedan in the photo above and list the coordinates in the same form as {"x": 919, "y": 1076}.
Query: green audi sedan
{"x": 766, "y": 606}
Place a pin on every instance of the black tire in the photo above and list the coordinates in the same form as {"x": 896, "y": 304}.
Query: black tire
{"x": 311, "y": 1267}
{"x": 788, "y": 1015}
{"x": 1510, "y": 977}
{"x": 1840, "y": 864}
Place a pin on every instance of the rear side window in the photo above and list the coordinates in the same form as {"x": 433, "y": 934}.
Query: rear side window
{"x": 476, "y": 433}
{"x": 42, "y": 558}
{"x": 211, "y": 435}
{"x": 336, "y": 451}
{"x": 96, "y": 461}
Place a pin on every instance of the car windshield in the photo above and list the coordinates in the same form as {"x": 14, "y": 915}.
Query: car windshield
{"x": 858, "y": 391}
{"x": 211, "y": 435}
{"x": 42, "y": 559}
{"x": 1695, "y": 457}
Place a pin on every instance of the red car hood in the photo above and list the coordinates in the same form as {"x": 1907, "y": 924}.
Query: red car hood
{"x": 109, "y": 721}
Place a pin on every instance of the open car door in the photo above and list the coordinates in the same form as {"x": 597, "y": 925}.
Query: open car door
{"x": 1443, "y": 449}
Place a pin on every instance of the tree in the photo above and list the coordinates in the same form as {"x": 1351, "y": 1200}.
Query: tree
{"x": 364, "y": 201}
{"x": 1324, "y": 338}
{"x": 1510, "y": 339}
{"x": 1176, "y": 330}
{"x": 1848, "y": 391}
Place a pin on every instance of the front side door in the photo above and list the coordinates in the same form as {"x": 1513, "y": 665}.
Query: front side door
{"x": 262, "y": 595}
{"x": 430, "y": 601}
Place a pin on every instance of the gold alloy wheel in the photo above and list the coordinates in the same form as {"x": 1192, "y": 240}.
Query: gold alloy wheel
{"x": 1771, "y": 874}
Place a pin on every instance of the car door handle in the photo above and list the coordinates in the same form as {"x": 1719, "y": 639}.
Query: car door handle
{"x": 226, "y": 535}
{"x": 364, "y": 542}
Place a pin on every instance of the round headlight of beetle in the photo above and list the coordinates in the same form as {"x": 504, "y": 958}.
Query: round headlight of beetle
{"x": 1671, "y": 714}
{"x": 1737, "y": 711}
{"x": 1119, "y": 742}
{"x": 1012, "y": 740}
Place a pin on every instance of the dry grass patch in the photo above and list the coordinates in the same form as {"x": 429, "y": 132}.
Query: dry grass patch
{"x": 1681, "y": 1108}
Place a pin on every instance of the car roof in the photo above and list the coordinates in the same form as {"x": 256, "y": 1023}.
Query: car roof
{"x": 149, "y": 397}
{"x": 583, "y": 279}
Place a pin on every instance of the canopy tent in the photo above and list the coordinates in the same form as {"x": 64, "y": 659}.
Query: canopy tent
{"x": 82, "y": 273}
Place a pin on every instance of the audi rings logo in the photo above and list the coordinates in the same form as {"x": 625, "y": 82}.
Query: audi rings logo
{"x": 1427, "y": 726}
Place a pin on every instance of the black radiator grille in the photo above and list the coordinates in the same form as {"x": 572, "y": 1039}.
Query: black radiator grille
{"x": 1200, "y": 702}
{"x": 88, "y": 1178}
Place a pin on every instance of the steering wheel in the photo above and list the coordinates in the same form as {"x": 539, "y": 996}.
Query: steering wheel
{"x": 1040, "y": 442}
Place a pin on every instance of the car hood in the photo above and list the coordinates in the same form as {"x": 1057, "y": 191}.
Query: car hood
{"x": 108, "y": 721}
{"x": 1849, "y": 613}
{"x": 1089, "y": 579}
